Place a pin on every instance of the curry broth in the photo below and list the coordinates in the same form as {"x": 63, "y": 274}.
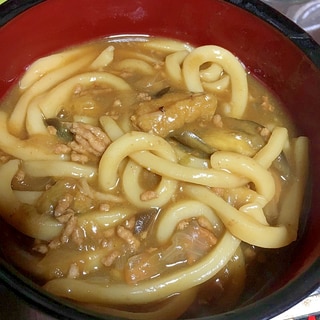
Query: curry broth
{"x": 78, "y": 254}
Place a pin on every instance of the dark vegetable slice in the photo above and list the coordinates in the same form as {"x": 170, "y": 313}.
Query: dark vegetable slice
{"x": 63, "y": 132}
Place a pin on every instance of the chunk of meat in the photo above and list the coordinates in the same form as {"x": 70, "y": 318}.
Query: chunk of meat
{"x": 162, "y": 116}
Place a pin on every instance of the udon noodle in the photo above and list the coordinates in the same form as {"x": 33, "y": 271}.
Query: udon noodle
{"x": 142, "y": 175}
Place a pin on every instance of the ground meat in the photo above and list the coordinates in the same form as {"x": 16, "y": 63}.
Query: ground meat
{"x": 144, "y": 96}
{"x": 265, "y": 132}
{"x": 61, "y": 148}
{"x": 40, "y": 247}
{"x": 130, "y": 223}
{"x": 70, "y": 226}
{"x": 55, "y": 243}
{"x": 76, "y": 157}
{"x": 77, "y": 236}
{"x": 64, "y": 218}
{"x": 89, "y": 142}
{"x": 266, "y": 105}
{"x": 110, "y": 258}
{"x": 64, "y": 203}
{"x": 217, "y": 121}
{"x": 182, "y": 225}
{"x": 52, "y": 130}
{"x": 128, "y": 237}
{"x": 148, "y": 195}
{"x": 205, "y": 223}
{"x": 104, "y": 207}
{"x": 208, "y": 235}
{"x": 117, "y": 103}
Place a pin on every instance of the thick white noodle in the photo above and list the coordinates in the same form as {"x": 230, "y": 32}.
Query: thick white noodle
{"x": 104, "y": 59}
{"x": 217, "y": 86}
{"x": 87, "y": 260}
{"x": 266, "y": 155}
{"x": 105, "y": 219}
{"x": 173, "y": 64}
{"x": 48, "y": 81}
{"x": 47, "y": 64}
{"x": 207, "y": 177}
{"x": 135, "y": 66}
{"x": 247, "y": 167}
{"x": 124, "y": 146}
{"x": 212, "y": 73}
{"x": 50, "y": 106}
{"x": 51, "y": 168}
{"x": 29, "y": 197}
{"x": 166, "y": 45}
{"x": 111, "y": 127}
{"x": 134, "y": 54}
{"x": 230, "y": 64}
{"x": 131, "y": 173}
{"x": 155, "y": 163}
{"x": 213, "y": 80}
{"x": 241, "y": 225}
{"x": 292, "y": 203}
{"x": 34, "y": 123}
{"x": 255, "y": 211}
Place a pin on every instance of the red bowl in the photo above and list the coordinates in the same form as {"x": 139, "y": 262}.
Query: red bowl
{"x": 273, "y": 49}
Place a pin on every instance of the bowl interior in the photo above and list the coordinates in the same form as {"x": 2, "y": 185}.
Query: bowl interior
{"x": 268, "y": 54}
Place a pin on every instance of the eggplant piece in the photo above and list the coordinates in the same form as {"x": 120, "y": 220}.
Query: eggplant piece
{"x": 241, "y": 136}
{"x": 63, "y": 132}
{"x": 193, "y": 141}
{"x": 144, "y": 221}
{"x": 162, "y": 92}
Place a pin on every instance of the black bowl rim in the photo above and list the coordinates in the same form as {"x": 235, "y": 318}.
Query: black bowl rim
{"x": 263, "y": 309}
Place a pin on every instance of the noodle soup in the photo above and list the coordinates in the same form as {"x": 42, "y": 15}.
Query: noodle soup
{"x": 146, "y": 178}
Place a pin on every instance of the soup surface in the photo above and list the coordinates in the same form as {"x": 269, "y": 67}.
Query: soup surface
{"x": 146, "y": 178}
